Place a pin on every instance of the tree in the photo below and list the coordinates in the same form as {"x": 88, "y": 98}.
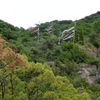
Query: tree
{"x": 8, "y": 60}
{"x": 56, "y": 29}
{"x": 79, "y": 32}
{"x": 42, "y": 84}
{"x": 95, "y": 38}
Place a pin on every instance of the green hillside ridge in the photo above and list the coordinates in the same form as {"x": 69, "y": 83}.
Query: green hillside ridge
{"x": 23, "y": 80}
{"x": 66, "y": 58}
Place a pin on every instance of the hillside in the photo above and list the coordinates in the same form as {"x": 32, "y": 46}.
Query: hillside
{"x": 77, "y": 58}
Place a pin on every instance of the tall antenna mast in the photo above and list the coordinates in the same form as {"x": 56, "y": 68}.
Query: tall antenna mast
{"x": 38, "y": 32}
{"x": 59, "y": 38}
{"x": 74, "y": 31}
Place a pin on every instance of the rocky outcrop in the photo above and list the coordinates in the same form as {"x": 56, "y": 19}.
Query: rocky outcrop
{"x": 89, "y": 72}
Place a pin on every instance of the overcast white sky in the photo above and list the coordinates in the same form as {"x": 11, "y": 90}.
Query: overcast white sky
{"x": 27, "y": 13}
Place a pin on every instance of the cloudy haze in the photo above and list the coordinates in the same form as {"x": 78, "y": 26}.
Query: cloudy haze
{"x": 27, "y": 13}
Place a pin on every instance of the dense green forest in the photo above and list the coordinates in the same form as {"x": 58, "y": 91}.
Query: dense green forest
{"x": 36, "y": 64}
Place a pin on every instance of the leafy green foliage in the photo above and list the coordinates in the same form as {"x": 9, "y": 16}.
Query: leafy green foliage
{"x": 37, "y": 80}
{"x": 95, "y": 37}
{"x": 72, "y": 51}
{"x": 44, "y": 85}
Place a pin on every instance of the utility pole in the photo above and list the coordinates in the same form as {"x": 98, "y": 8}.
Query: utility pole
{"x": 38, "y": 32}
{"x": 74, "y": 31}
{"x": 59, "y": 40}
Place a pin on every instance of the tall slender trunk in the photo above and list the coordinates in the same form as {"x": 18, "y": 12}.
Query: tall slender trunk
{"x": 12, "y": 87}
{"x": 97, "y": 66}
{"x": 97, "y": 52}
{"x": 3, "y": 90}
